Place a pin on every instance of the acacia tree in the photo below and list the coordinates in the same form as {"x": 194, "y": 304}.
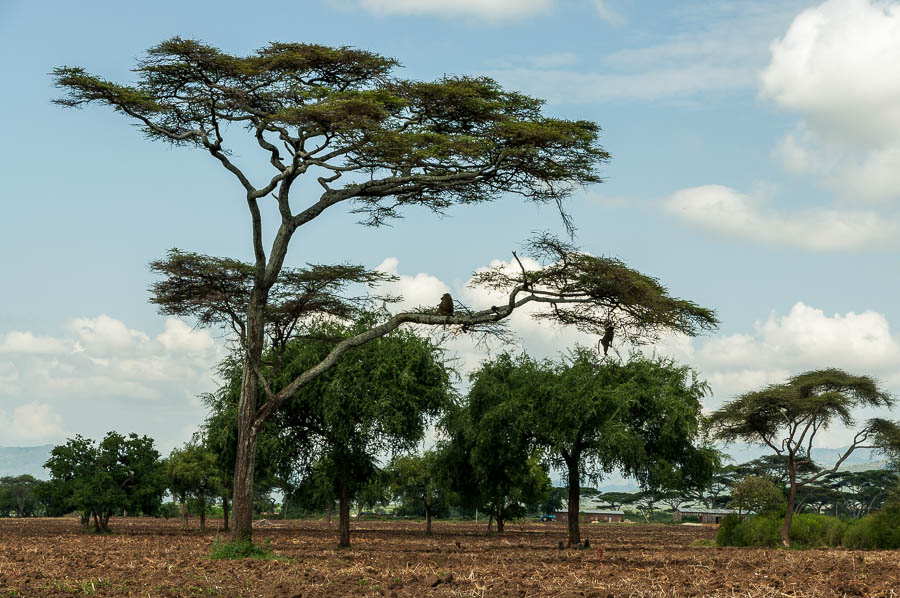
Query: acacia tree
{"x": 787, "y": 417}
{"x": 590, "y": 414}
{"x": 378, "y": 143}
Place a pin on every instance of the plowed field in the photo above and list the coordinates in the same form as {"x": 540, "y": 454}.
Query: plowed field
{"x": 146, "y": 557}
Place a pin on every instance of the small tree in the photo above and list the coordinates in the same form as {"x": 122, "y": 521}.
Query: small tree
{"x": 755, "y": 493}
{"x": 192, "y": 472}
{"x": 118, "y": 473}
{"x": 18, "y": 493}
{"x": 419, "y": 480}
{"x": 787, "y": 417}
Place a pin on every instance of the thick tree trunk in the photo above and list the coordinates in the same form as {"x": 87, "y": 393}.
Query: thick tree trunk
{"x": 245, "y": 460}
{"x": 574, "y": 506}
{"x": 490, "y": 522}
{"x": 344, "y": 517}
{"x": 225, "y": 511}
{"x": 792, "y": 497}
{"x": 96, "y": 522}
{"x": 427, "y": 520}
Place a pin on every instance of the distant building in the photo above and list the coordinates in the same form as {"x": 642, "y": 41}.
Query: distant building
{"x": 592, "y": 516}
{"x": 703, "y": 515}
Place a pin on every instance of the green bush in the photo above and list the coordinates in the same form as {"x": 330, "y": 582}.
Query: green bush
{"x": 762, "y": 530}
{"x": 879, "y": 531}
{"x": 814, "y": 531}
{"x": 861, "y": 534}
{"x": 725, "y": 535}
{"x": 243, "y": 549}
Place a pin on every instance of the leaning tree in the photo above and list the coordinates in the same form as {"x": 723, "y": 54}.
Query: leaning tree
{"x": 787, "y": 417}
{"x": 376, "y": 143}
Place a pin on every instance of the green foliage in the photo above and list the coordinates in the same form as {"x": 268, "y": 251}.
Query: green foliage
{"x": 786, "y": 417}
{"x": 809, "y": 530}
{"x": 20, "y": 494}
{"x": 757, "y": 530}
{"x": 242, "y": 549}
{"x": 862, "y": 534}
{"x": 757, "y": 494}
{"x": 193, "y": 473}
{"x": 118, "y": 473}
{"x": 881, "y": 530}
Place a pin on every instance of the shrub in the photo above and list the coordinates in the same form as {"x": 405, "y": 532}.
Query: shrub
{"x": 242, "y": 550}
{"x": 813, "y": 531}
{"x": 762, "y": 530}
{"x": 878, "y": 531}
{"x": 725, "y": 535}
{"x": 861, "y": 534}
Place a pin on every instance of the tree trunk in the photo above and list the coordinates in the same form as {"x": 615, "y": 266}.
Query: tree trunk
{"x": 344, "y": 517}
{"x": 182, "y": 507}
{"x": 490, "y": 521}
{"x": 245, "y": 460}
{"x": 96, "y": 522}
{"x": 792, "y": 497}
{"x": 225, "y": 511}
{"x": 202, "y": 512}
{"x": 574, "y": 501}
{"x": 427, "y": 520}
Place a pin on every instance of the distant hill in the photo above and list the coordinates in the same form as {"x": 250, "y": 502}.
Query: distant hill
{"x": 18, "y": 460}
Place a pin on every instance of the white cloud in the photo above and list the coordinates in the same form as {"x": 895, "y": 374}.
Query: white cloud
{"x": 807, "y": 338}
{"x": 419, "y": 290}
{"x": 178, "y": 337}
{"x": 723, "y": 53}
{"x": 609, "y": 14}
{"x": 26, "y": 342}
{"x": 726, "y": 212}
{"x": 31, "y": 423}
{"x": 104, "y": 335}
{"x": 492, "y": 10}
{"x": 838, "y": 66}
{"x": 803, "y": 339}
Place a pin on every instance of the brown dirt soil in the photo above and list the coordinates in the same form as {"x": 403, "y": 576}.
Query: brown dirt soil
{"x": 147, "y": 557}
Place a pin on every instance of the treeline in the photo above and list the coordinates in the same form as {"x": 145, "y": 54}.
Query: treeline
{"x": 353, "y": 435}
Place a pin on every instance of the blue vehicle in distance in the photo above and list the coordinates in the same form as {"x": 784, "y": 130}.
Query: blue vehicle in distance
{"x": 550, "y": 517}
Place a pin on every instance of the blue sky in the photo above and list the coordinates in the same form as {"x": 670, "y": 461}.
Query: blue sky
{"x": 755, "y": 170}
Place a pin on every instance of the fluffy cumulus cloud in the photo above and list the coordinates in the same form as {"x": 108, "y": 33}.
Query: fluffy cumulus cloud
{"x": 26, "y": 342}
{"x": 51, "y": 385}
{"x": 493, "y": 10}
{"x": 838, "y": 67}
{"x": 728, "y": 213}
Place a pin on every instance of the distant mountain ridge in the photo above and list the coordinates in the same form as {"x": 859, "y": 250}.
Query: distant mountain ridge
{"x": 19, "y": 460}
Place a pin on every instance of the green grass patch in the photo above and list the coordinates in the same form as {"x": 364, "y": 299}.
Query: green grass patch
{"x": 243, "y": 549}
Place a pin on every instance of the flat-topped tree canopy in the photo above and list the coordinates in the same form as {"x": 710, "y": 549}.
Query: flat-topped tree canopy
{"x": 597, "y": 294}
{"x": 339, "y": 110}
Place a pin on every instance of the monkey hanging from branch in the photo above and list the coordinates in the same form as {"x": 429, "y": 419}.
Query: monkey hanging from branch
{"x": 607, "y": 338}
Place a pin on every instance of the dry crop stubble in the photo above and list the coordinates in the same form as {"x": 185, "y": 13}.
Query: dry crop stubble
{"x": 148, "y": 557}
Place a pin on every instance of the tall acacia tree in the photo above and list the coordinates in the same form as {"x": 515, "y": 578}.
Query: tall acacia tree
{"x": 787, "y": 417}
{"x": 378, "y": 143}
